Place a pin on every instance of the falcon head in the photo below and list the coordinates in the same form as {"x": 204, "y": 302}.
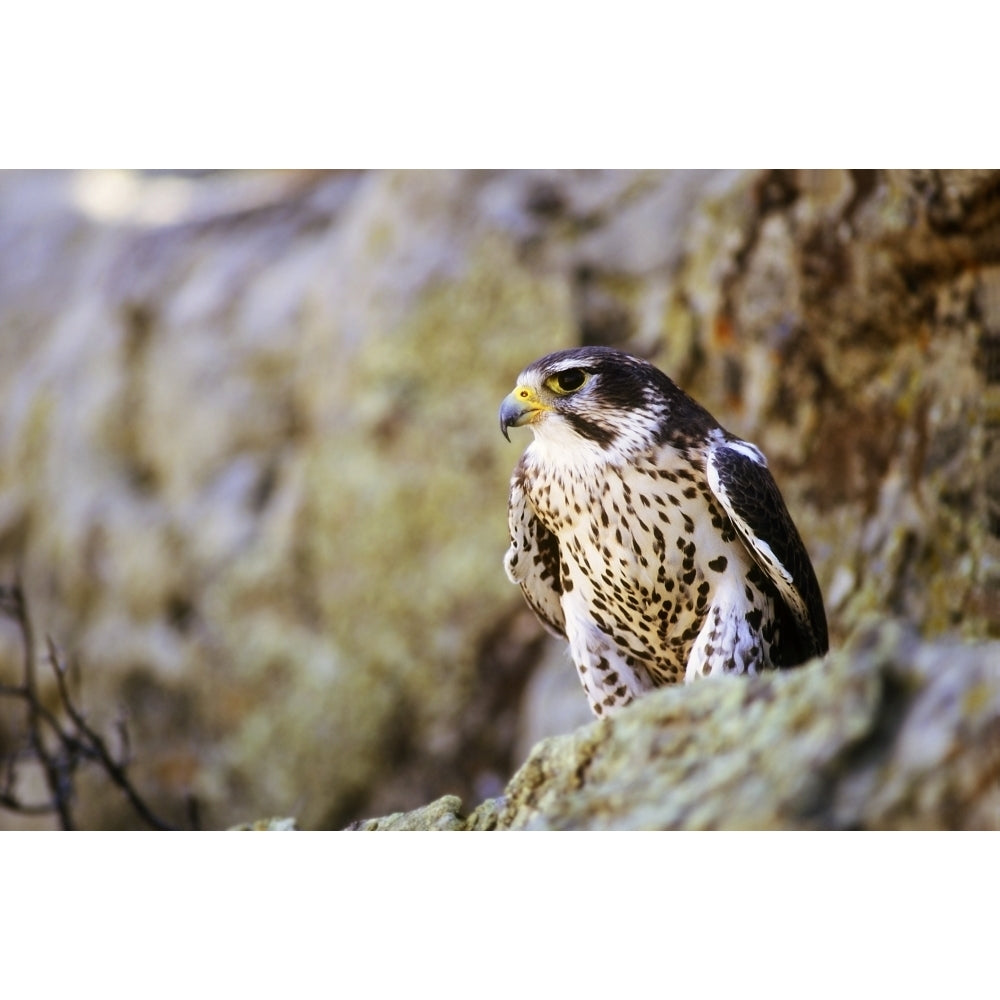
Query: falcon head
{"x": 597, "y": 396}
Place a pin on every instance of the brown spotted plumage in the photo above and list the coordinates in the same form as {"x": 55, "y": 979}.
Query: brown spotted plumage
{"x": 649, "y": 537}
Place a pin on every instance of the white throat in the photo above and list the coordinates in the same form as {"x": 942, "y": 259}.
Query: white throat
{"x": 557, "y": 444}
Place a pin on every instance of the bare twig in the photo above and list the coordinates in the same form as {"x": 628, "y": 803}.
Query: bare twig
{"x": 56, "y": 775}
{"x": 58, "y": 747}
{"x": 115, "y": 769}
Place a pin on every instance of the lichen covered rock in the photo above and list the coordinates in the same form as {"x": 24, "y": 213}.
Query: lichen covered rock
{"x": 890, "y": 733}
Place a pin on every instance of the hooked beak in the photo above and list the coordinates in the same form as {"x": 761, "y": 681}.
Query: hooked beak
{"x": 521, "y": 407}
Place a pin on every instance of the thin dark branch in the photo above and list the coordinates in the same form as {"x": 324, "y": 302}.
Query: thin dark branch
{"x": 124, "y": 740}
{"x": 60, "y": 788}
{"x": 115, "y": 769}
{"x": 22, "y": 693}
{"x": 58, "y": 747}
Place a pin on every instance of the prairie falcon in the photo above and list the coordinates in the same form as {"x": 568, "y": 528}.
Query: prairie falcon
{"x": 647, "y": 535}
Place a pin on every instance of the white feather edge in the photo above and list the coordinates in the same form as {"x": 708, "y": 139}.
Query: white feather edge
{"x": 783, "y": 580}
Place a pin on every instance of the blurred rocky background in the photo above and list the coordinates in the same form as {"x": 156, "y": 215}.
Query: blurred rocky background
{"x": 252, "y": 479}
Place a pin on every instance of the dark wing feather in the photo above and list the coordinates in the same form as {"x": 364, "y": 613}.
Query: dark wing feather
{"x": 533, "y": 558}
{"x": 742, "y": 483}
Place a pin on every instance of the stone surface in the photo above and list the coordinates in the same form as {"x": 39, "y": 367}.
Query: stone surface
{"x": 251, "y": 474}
{"x": 890, "y": 733}
{"x": 273, "y": 824}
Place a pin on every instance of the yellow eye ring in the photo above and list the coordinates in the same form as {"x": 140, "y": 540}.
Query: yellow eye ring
{"x": 566, "y": 382}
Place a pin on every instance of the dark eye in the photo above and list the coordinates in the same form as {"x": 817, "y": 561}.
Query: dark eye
{"x": 567, "y": 381}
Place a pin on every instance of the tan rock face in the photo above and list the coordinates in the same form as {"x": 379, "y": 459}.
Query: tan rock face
{"x": 250, "y": 468}
{"x": 889, "y": 733}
